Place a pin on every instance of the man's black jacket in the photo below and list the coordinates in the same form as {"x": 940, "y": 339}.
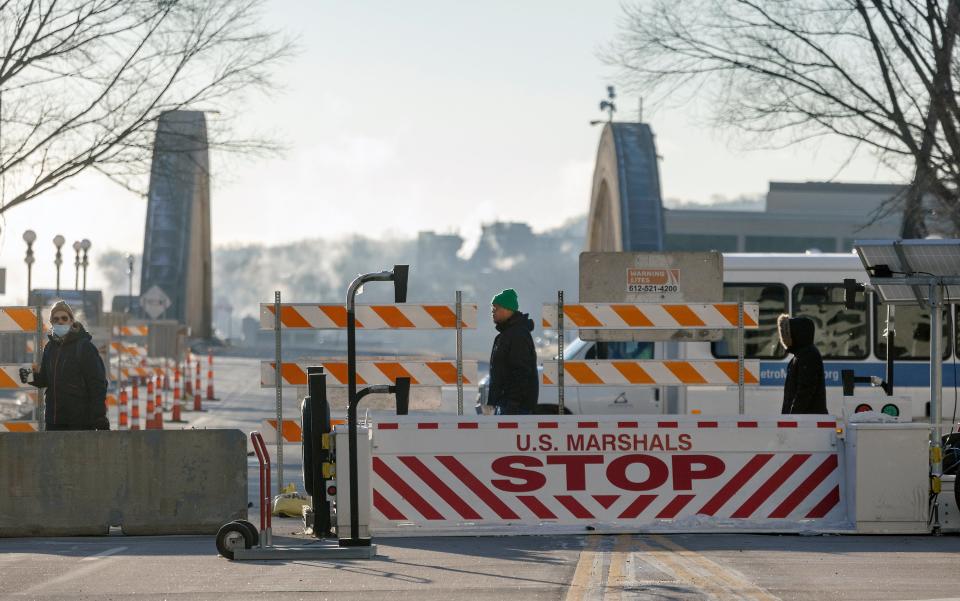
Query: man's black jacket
{"x": 513, "y": 366}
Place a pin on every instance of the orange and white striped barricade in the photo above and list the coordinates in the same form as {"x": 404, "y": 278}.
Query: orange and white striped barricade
{"x": 292, "y": 432}
{"x": 402, "y": 316}
{"x": 530, "y": 474}
{"x": 17, "y": 426}
{"x": 26, "y": 320}
{"x": 141, "y": 372}
{"x": 278, "y": 316}
{"x": 131, "y": 331}
{"x": 422, "y": 372}
{"x": 128, "y": 350}
{"x": 693, "y": 372}
{"x": 10, "y": 377}
{"x": 651, "y": 316}
{"x": 148, "y": 422}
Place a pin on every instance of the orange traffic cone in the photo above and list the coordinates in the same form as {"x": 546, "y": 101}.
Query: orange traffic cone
{"x": 150, "y": 408}
{"x": 123, "y": 422}
{"x": 210, "y": 395}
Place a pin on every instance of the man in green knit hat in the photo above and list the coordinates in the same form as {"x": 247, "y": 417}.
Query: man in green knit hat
{"x": 513, "y": 361}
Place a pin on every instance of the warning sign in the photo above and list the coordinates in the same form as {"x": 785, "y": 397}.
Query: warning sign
{"x": 652, "y": 281}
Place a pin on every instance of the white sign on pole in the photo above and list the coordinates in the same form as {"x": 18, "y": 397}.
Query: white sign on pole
{"x": 155, "y": 302}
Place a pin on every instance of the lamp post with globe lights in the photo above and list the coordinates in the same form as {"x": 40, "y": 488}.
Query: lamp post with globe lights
{"x": 29, "y": 237}
{"x": 58, "y": 241}
{"x": 76, "y": 265}
{"x": 85, "y": 246}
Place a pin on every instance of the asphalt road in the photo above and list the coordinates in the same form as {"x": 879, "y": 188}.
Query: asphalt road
{"x": 643, "y": 567}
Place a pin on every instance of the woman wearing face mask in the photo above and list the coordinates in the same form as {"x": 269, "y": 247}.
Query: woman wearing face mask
{"x": 73, "y": 374}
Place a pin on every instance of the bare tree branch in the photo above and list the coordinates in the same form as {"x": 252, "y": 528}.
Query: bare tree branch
{"x": 84, "y": 82}
{"x": 880, "y": 73}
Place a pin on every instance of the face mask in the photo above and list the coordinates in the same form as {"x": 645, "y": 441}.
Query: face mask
{"x": 61, "y": 329}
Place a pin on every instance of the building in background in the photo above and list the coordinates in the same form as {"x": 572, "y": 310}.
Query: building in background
{"x": 797, "y": 216}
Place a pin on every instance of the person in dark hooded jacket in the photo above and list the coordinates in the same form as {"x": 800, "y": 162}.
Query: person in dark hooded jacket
{"x": 73, "y": 373}
{"x": 804, "y": 390}
{"x": 513, "y": 387}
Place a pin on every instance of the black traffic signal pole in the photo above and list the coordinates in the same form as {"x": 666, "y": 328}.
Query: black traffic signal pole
{"x": 399, "y": 278}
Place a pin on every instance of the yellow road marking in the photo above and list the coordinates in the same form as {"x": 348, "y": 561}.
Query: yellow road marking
{"x": 615, "y": 574}
{"x": 586, "y": 570}
{"x": 734, "y": 580}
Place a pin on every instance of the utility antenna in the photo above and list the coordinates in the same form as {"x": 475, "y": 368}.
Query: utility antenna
{"x": 640, "y": 112}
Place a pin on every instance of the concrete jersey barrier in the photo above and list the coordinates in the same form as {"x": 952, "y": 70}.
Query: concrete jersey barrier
{"x": 147, "y": 482}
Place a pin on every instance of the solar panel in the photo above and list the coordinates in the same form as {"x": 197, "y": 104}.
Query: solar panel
{"x": 893, "y": 259}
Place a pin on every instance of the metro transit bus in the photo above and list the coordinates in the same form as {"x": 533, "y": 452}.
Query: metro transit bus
{"x": 808, "y": 284}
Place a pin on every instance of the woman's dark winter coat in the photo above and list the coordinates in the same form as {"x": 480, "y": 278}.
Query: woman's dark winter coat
{"x": 73, "y": 374}
{"x": 513, "y": 367}
{"x": 804, "y": 390}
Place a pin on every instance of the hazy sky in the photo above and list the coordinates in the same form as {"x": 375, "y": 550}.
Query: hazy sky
{"x": 404, "y": 116}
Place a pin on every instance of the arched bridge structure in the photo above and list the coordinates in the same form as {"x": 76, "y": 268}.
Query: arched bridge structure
{"x": 626, "y": 209}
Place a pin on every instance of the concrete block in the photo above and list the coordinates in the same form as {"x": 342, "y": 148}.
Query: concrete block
{"x": 147, "y": 482}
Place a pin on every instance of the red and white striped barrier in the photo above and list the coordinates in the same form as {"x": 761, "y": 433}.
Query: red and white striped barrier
{"x": 421, "y": 372}
{"x": 705, "y": 372}
{"x": 405, "y": 316}
{"x": 523, "y": 474}
{"x": 651, "y": 316}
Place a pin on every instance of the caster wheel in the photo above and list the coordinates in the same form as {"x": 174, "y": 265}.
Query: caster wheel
{"x": 231, "y": 537}
{"x": 254, "y": 533}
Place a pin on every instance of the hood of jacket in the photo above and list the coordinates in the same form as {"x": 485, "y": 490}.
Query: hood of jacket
{"x": 517, "y": 319}
{"x": 795, "y": 332}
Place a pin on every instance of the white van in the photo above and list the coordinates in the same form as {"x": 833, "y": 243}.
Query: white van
{"x": 799, "y": 284}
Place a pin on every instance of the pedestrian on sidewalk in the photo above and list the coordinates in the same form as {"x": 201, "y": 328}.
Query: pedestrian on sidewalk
{"x": 73, "y": 373}
{"x": 513, "y": 361}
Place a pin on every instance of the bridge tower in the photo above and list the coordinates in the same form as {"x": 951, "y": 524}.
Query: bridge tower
{"x": 626, "y": 210}
{"x": 176, "y": 243}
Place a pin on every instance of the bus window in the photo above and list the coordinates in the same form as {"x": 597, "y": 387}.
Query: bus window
{"x": 841, "y": 333}
{"x": 912, "y": 332}
{"x": 763, "y": 342}
{"x": 621, "y": 350}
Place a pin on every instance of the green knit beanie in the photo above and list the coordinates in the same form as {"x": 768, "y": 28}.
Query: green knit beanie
{"x": 507, "y": 299}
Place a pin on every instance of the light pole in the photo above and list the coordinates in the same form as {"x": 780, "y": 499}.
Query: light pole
{"x": 29, "y": 237}
{"x": 76, "y": 265}
{"x": 58, "y": 241}
{"x": 85, "y": 246}
{"x": 130, "y": 279}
